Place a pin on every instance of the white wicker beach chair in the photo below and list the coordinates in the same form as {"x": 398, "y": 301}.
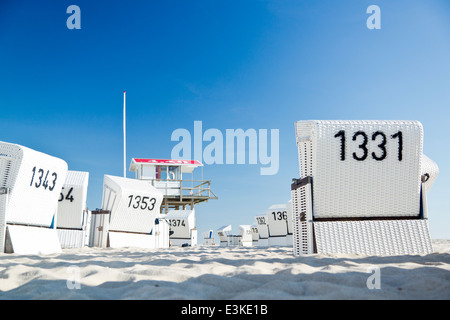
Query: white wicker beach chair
{"x": 255, "y": 235}
{"x": 182, "y": 223}
{"x": 208, "y": 238}
{"x": 73, "y": 217}
{"x": 233, "y": 240}
{"x": 290, "y": 224}
{"x": 277, "y": 224}
{"x": 161, "y": 232}
{"x": 362, "y": 188}
{"x": 246, "y": 236}
{"x": 223, "y": 234}
{"x": 130, "y": 215}
{"x": 30, "y": 183}
{"x": 263, "y": 232}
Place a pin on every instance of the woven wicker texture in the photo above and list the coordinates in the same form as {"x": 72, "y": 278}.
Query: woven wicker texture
{"x": 430, "y": 172}
{"x": 290, "y": 217}
{"x": 376, "y": 237}
{"x": 71, "y": 238}
{"x": 302, "y": 220}
{"x": 3, "y": 202}
{"x": 362, "y": 168}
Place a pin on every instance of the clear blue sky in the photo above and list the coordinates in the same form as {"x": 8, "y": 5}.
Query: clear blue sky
{"x": 230, "y": 64}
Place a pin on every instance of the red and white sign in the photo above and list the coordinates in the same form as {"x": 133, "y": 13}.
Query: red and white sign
{"x": 168, "y": 161}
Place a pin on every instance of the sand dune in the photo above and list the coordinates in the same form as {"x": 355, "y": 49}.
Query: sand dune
{"x": 222, "y": 273}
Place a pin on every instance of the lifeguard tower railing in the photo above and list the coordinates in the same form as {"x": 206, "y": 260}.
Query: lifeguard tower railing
{"x": 180, "y": 193}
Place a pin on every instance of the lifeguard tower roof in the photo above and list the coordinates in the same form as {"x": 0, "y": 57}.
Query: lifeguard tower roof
{"x": 187, "y": 166}
{"x": 166, "y": 175}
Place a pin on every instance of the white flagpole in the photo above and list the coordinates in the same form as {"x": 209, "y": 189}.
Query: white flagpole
{"x": 124, "y": 137}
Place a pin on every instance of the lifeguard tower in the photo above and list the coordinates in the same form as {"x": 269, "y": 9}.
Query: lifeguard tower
{"x": 166, "y": 175}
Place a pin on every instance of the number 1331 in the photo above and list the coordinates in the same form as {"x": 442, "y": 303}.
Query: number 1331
{"x": 379, "y": 154}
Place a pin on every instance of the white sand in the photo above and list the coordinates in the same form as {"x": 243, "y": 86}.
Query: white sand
{"x": 222, "y": 273}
